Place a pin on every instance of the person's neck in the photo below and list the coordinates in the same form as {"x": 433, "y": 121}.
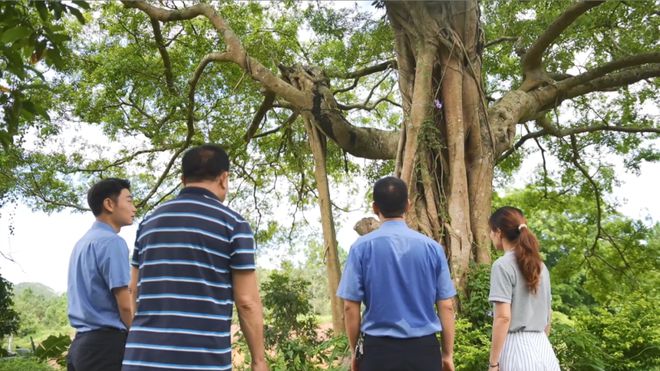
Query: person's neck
{"x": 209, "y": 186}
{"x": 107, "y": 219}
{"x": 396, "y": 219}
{"x": 507, "y": 245}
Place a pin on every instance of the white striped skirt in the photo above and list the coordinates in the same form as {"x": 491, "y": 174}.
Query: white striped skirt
{"x": 528, "y": 351}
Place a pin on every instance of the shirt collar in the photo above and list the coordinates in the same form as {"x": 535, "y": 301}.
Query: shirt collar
{"x": 198, "y": 191}
{"x": 394, "y": 223}
{"x": 103, "y": 225}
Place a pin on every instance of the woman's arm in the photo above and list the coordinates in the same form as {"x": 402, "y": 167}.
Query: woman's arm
{"x": 501, "y": 322}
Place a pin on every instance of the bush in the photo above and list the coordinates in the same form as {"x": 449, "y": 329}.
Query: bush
{"x": 23, "y": 364}
{"x": 474, "y": 324}
{"x": 293, "y": 341}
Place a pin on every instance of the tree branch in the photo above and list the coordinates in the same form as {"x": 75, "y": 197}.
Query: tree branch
{"x": 613, "y": 81}
{"x": 533, "y": 57}
{"x": 560, "y": 133}
{"x": 120, "y": 161}
{"x": 288, "y": 121}
{"x": 266, "y": 105}
{"x": 235, "y": 51}
{"x": 169, "y": 77}
{"x": 575, "y": 160}
{"x": 501, "y": 40}
{"x": 390, "y": 64}
{"x": 365, "y": 106}
{"x": 631, "y": 61}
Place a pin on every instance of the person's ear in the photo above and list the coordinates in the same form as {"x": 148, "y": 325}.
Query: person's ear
{"x": 224, "y": 180}
{"x": 108, "y": 205}
{"x": 405, "y": 209}
{"x": 375, "y": 208}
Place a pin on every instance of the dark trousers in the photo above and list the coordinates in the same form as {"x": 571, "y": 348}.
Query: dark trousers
{"x": 392, "y": 354}
{"x": 98, "y": 350}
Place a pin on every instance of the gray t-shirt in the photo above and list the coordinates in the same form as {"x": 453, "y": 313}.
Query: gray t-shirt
{"x": 529, "y": 312}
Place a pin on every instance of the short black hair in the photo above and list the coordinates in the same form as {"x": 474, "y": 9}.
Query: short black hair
{"x": 106, "y": 188}
{"x": 204, "y": 162}
{"x": 391, "y": 196}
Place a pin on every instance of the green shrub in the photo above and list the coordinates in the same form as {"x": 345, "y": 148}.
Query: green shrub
{"x": 474, "y": 323}
{"x": 23, "y": 364}
{"x": 55, "y": 347}
{"x": 293, "y": 341}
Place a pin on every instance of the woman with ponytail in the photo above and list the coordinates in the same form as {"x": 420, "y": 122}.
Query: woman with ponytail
{"x": 520, "y": 292}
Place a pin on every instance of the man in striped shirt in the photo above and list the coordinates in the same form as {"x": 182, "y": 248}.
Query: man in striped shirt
{"x": 193, "y": 258}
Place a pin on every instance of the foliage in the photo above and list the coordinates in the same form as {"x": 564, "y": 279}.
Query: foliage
{"x": 23, "y": 364}
{"x": 55, "y": 347}
{"x": 29, "y": 33}
{"x": 474, "y": 323}
{"x": 41, "y": 315}
{"x": 293, "y": 339}
{"x": 9, "y": 319}
{"x": 471, "y": 345}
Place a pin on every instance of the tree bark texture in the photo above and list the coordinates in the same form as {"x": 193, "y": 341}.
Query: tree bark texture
{"x": 318, "y": 144}
{"x": 446, "y": 156}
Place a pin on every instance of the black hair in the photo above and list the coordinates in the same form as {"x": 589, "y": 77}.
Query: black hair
{"x": 391, "y": 196}
{"x": 204, "y": 162}
{"x": 106, "y": 188}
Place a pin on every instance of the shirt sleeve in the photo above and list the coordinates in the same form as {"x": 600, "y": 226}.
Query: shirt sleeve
{"x": 351, "y": 285}
{"x": 445, "y": 286}
{"x": 501, "y": 284}
{"x": 242, "y": 247}
{"x": 113, "y": 262}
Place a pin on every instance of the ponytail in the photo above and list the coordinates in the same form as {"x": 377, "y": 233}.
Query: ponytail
{"x": 512, "y": 224}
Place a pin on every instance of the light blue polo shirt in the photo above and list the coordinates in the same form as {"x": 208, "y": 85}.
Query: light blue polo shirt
{"x": 98, "y": 264}
{"x": 398, "y": 274}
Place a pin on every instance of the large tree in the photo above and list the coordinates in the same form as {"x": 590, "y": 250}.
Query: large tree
{"x": 476, "y": 83}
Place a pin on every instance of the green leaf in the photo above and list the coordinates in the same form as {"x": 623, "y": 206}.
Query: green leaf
{"x": 82, "y": 4}
{"x": 77, "y": 14}
{"x": 15, "y": 33}
{"x": 41, "y": 9}
{"x": 53, "y": 57}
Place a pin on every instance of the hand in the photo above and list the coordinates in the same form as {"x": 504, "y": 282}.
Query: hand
{"x": 354, "y": 363}
{"x": 447, "y": 362}
{"x": 259, "y": 366}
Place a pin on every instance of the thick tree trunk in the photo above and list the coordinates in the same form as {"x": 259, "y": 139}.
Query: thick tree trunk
{"x": 446, "y": 151}
{"x": 318, "y": 144}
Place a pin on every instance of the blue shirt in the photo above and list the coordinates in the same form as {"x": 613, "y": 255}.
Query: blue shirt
{"x": 98, "y": 264}
{"x": 186, "y": 251}
{"x": 399, "y": 274}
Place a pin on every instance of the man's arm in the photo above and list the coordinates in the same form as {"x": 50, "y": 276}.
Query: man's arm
{"x": 124, "y": 305}
{"x": 446, "y": 315}
{"x": 250, "y": 314}
{"x": 501, "y": 323}
{"x": 132, "y": 288}
{"x": 353, "y": 319}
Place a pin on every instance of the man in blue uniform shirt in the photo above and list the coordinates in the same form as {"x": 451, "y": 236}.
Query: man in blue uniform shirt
{"x": 99, "y": 303}
{"x": 402, "y": 277}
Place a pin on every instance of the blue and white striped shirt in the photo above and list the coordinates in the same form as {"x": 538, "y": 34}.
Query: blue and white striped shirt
{"x": 185, "y": 251}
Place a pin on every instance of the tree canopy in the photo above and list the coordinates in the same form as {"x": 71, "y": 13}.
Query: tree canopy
{"x": 451, "y": 96}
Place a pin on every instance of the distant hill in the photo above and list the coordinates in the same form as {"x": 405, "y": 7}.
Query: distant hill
{"x": 36, "y": 287}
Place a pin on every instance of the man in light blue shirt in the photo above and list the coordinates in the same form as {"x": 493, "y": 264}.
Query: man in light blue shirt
{"x": 99, "y": 302}
{"x": 402, "y": 277}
